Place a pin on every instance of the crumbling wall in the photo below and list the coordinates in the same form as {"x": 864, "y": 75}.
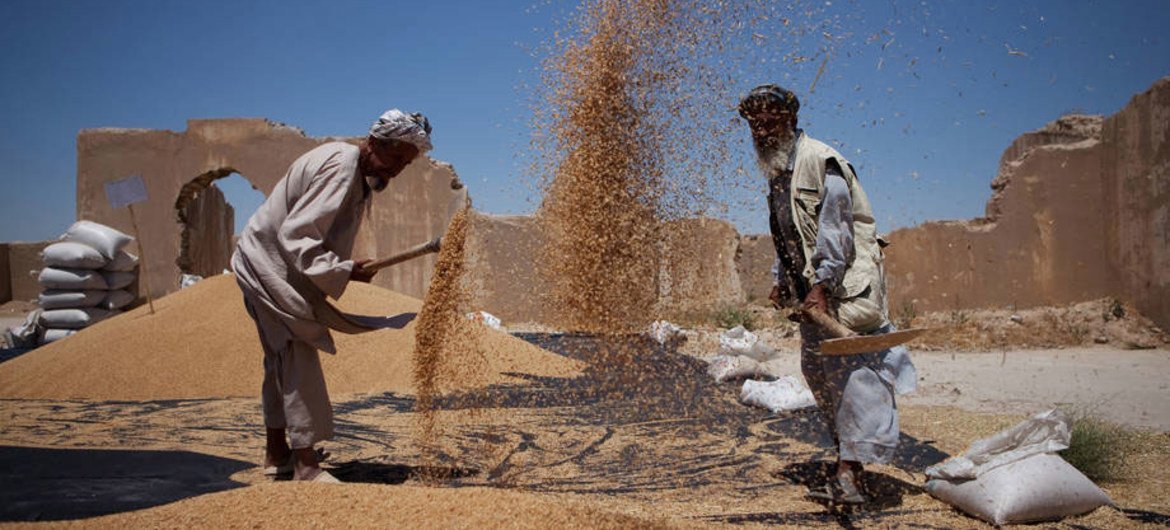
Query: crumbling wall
{"x": 5, "y": 275}
{"x": 501, "y": 276}
{"x": 1136, "y": 161}
{"x": 1081, "y": 210}
{"x": 415, "y": 207}
{"x": 756, "y": 255}
{"x": 697, "y": 266}
{"x": 24, "y": 261}
{"x": 1046, "y": 246}
{"x": 205, "y": 245}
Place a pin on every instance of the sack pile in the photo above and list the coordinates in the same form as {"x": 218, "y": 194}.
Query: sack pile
{"x": 87, "y": 278}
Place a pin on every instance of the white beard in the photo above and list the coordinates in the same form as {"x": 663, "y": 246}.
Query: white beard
{"x": 773, "y": 155}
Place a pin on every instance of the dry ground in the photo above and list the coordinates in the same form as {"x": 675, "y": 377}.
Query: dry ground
{"x": 660, "y": 446}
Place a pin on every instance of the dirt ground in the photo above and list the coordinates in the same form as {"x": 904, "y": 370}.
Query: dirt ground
{"x": 663, "y": 444}
{"x": 1126, "y": 386}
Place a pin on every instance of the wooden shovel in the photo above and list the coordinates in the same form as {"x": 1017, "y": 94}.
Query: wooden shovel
{"x": 421, "y": 249}
{"x": 846, "y": 342}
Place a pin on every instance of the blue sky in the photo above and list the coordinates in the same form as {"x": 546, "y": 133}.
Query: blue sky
{"x": 922, "y": 96}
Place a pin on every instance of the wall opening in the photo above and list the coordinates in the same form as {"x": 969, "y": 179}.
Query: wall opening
{"x": 212, "y": 209}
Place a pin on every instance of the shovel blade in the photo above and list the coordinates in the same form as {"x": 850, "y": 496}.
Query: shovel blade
{"x": 869, "y": 343}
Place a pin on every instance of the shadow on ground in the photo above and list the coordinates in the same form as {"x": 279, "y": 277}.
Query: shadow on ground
{"x": 379, "y": 472}
{"x": 634, "y": 388}
{"x": 60, "y": 484}
{"x": 1148, "y": 517}
{"x": 7, "y": 354}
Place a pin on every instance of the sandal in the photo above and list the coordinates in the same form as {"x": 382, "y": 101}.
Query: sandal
{"x": 287, "y": 467}
{"x": 325, "y": 477}
{"x": 842, "y": 489}
{"x": 282, "y": 469}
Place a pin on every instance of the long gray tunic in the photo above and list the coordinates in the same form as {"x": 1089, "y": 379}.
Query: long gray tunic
{"x": 296, "y": 248}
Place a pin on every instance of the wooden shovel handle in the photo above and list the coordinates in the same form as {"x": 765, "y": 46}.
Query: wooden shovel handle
{"x": 822, "y": 319}
{"x": 409, "y": 254}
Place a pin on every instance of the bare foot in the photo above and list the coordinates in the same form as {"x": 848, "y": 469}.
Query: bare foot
{"x": 849, "y": 481}
{"x": 307, "y": 463}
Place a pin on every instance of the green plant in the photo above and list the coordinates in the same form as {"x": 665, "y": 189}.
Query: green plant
{"x": 731, "y": 316}
{"x": 906, "y": 314}
{"x": 1114, "y": 311}
{"x": 1098, "y": 447}
{"x": 960, "y": 316}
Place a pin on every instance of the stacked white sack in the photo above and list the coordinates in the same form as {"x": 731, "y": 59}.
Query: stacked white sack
{"x": 85, "y": 279}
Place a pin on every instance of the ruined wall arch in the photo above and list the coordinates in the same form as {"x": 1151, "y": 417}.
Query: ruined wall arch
{"x": 415, "y": 208}
{"x": 207, "y": 223}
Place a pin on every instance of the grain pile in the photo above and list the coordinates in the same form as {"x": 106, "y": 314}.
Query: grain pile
{"x": 293, "y": 505}
{"x": 201, "y": 343}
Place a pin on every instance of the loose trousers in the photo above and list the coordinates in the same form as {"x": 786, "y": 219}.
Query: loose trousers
{"x": 293, "y": 394}
{"x": 856, "y": 395}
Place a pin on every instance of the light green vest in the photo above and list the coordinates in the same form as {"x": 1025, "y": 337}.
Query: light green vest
{"x": 861, "y": 313}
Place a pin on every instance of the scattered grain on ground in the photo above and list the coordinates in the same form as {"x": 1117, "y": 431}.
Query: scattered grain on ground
{"x": 296, "y": 505}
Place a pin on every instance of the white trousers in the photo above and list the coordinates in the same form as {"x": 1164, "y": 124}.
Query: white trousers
{"x": 856, "y": 395}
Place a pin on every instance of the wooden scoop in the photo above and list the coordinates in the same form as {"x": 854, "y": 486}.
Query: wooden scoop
{"x": 847, "y": 342}
{"x": 421, "y": 249}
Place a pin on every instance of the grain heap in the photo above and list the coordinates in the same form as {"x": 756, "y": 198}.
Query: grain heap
{"x": 200, "y": 343}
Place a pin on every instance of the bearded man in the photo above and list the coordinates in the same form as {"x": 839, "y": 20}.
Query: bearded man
{"x": 828, "y": 257}
{"x": 294, "y": 252}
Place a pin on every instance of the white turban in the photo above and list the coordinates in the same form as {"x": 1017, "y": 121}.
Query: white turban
{"x": 397, "y": 125}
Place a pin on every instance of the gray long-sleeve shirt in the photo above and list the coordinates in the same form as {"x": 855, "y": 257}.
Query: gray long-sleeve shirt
{"x": 834, "y": 235}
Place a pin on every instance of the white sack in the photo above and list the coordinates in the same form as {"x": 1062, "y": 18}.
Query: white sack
{"x": 727, "y": 367}
{"x": 116, "y": 299}
{"x": 59, "y": 299}
{"x": 52, "y": 335}
{"x": 28, "y": 334}
{"x": 785, "y": 393}
{"x": 73, "y": 256}
{"x": 71, "y": 279}
{"x": 188, "y": 280}
{"x": 662, "y": 331}
{"x": 123, "y": 262}
{"x": 101, "y": 237}
{"x": 73, "y": 318}
{"x": 740, "y": 341}
{"x": 1046, "y": 432}
{"x": 1041, "y": 487}
{"x": 486, "y": 319}
{"x": 118, "y": 280}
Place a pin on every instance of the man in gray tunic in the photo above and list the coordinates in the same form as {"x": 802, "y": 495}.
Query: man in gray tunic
{"x": 293, "y": 254}
{"x": 828, "y": 257}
